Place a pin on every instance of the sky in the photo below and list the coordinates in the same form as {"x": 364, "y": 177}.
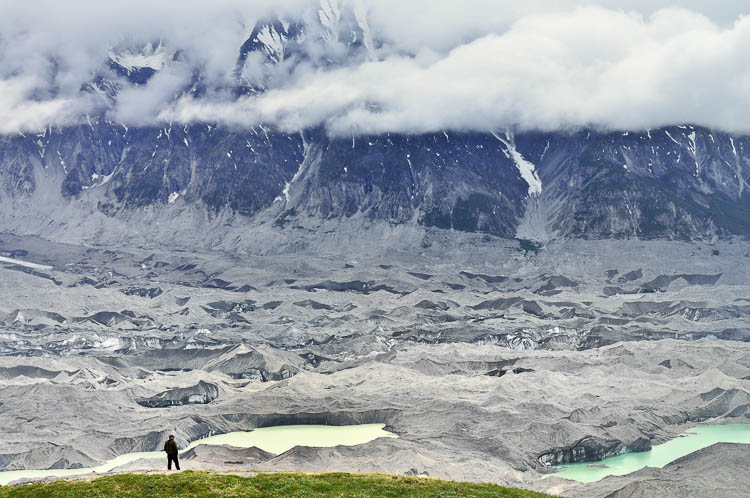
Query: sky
{"x": 431, "y": 65}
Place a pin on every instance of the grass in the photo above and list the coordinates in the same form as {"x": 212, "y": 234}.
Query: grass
{"x": 191, "y": 484}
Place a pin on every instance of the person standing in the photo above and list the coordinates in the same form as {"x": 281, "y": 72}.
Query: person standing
{"x": 171, "y": 448}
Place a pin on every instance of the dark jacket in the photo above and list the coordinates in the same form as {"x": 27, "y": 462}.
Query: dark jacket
{"x": 171, "y": 447}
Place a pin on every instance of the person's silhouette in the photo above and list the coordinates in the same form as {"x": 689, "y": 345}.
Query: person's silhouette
{"x": 172, "y": 451}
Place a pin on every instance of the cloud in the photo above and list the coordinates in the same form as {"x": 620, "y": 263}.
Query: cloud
{"x": 438, "y": 65}
{"x": 139, "y": 105}
{"x": 19, "y": 111}
{"x": 545, "y": 72}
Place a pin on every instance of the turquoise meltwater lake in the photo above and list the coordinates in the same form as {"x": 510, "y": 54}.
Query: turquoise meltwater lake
{"x": 272, "y": 439}
{"x": 659, "y": 456}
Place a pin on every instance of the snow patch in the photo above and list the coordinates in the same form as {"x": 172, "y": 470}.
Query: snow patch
{"x": 111, "y": 343}
{"x": 273, "y": 42}
{"x": 24, "y": 263}
{"x": 672, "y": 138}
{"x": 360, "y": 14}
{"x": 148, "y": 57}
{"x": 288, "y": 184}
{"x": 330, "y": 16}
{"x": 527, "y": 169}
{"x": 546, "y": 148}
{"x": 693, "y": 151}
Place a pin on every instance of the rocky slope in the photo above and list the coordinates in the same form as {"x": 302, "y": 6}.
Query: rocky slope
{"x": 674, "y": 183}
{"x": 101, "y": 178}
{"x": 489, "y": 365}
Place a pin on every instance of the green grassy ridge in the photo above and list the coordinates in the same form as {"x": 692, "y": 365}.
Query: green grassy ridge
{"x": 195, "y": 484}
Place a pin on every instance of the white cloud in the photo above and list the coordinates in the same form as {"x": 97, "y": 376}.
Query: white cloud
{"x": 139, "y": 105}
{"x": 19, "y": 111}
{"x": 546, "y": 71}
{"x": 471, "y": 65}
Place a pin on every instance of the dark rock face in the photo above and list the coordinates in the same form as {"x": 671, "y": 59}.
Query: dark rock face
{"x": 591, "y": 449}
{"x": 460, "y": 181}
{"x": 499, "y": 372}
{"x": 151, "y": 293}
{"x": 486, "y": 278}
{"x": 426, "y": 304}
{"x": 681, "y": 183}
{"x": 315, "y": 305}
{"x": 200, "y": 394}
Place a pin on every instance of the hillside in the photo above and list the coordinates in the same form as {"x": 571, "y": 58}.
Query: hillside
{"x": 268, "y": 485}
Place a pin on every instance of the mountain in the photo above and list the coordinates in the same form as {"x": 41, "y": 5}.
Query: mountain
{"x": 502, "y": 299}
{"x": 678, "y": 182}
{"x": 673, "y": 183}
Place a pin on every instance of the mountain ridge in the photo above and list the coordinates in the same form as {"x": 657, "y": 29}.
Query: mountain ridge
{"x": 678, "y": 182}
{"x": 682, "y": 183}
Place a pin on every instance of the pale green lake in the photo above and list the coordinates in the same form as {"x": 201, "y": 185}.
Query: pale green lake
{"x": 272, "y": 439}
{"x": 660, "y": 455}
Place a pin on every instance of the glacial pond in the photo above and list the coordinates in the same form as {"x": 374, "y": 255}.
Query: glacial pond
{"x": 272, "y": 439}
{"x": 659, "y": 456}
